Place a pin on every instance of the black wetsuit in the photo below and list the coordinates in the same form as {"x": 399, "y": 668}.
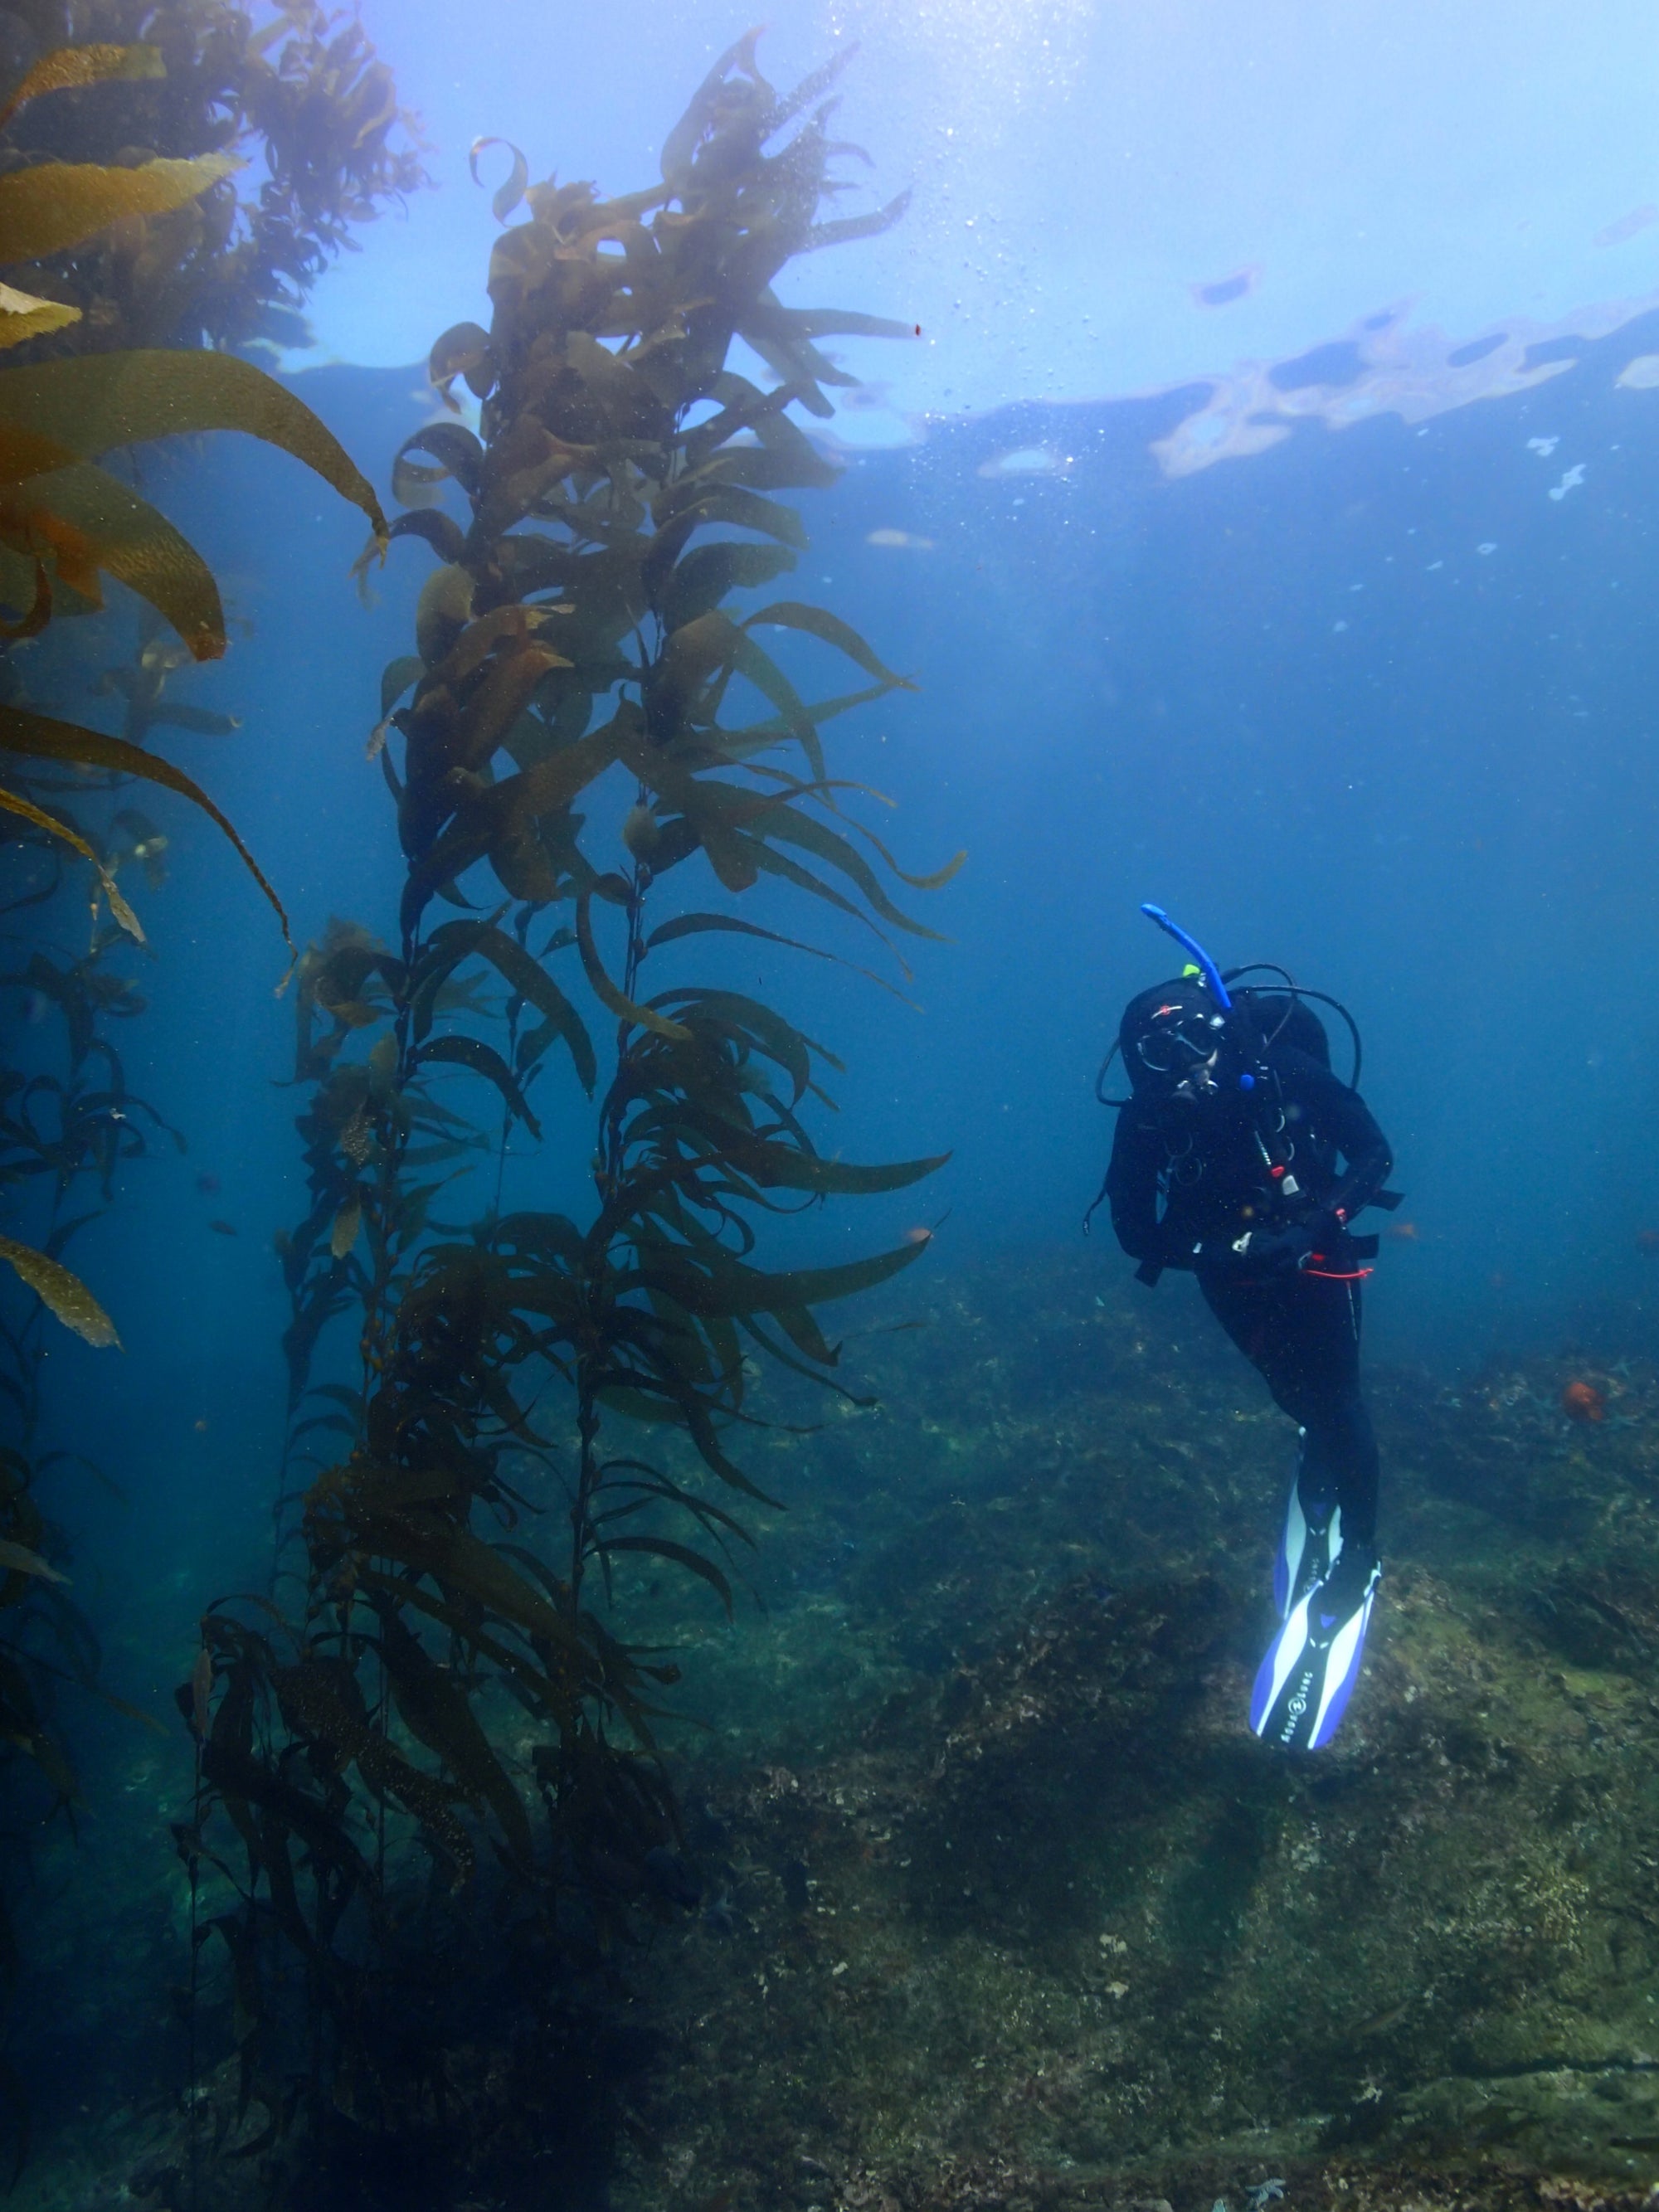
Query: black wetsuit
{"x": 1186, "y": 1181}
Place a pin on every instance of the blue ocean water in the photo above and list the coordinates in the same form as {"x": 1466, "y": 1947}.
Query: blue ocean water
{"x": 1373, "y": 702}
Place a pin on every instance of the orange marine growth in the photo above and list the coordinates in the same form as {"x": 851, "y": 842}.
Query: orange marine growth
{"x": 1582, "y": 1401}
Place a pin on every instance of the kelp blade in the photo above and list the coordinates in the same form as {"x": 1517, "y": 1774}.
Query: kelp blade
{"x": 18, "y": 1559}
{"x": 96, "y": 402}
{"x": 41, "y": 738}
{"x": 67, "y": 68}
{"x": 22, "y": 316}
{"x": 62, "y": 1292}
{"x": 128, "y": 538}
{"x": 12, "y": 803}
{"x": 51, "y": 208}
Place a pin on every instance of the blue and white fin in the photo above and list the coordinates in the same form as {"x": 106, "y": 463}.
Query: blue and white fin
{"x": 1309, "y": 1547}
{"x": 1303, "y": 1684}
{"x": 1291, "y": 1545}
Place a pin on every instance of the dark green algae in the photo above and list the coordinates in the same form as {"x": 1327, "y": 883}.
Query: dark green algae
{"x": 1003, "y": 1905}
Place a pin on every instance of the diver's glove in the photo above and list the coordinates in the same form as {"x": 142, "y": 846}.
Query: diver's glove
{"x": 1283, "y": 1252}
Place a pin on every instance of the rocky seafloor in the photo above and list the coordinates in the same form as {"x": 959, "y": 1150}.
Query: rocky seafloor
{"x": 1002, "y": 1905}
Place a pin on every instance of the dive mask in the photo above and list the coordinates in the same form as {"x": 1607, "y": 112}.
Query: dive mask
{"x": 1175, "y": 1043}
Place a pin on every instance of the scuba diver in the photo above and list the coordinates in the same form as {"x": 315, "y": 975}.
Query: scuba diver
{"x": 1240, "y": 1155}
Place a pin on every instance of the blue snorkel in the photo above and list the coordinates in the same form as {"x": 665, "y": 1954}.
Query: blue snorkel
{"x": 1212, "y": 973}
{"x": 1218, "y": 990}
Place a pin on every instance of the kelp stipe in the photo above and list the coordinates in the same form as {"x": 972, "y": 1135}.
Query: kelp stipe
{"x": 576, "y": 631}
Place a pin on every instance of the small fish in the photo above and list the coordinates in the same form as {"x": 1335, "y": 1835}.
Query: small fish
{"x": 1407, "y": 1231}
{"x": 209, "y": 1185}
{"x": 918, "y": 1235}
{"x": 1582, "y": 1401}
{"x": 221, "y": 1228}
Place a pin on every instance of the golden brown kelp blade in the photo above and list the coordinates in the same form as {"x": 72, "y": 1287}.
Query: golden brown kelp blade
{"x": 94, "y": 402}
{"x": 11, "y": 803}
{"x": 67, "y": 68}
{"x": 62, "y": 1292}
{"x": 41, "y": 738}
{"x": 80, "y": 520}
{"x": 46, "y": 211}
{"x": 509, "y": 195}
{"x": 23, "y": 317}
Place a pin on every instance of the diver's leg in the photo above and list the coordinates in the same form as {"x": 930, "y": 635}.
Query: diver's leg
{"x": 1268, "y": 1322}
{"x": 1303, "y": 1337}
{"x": 1317, "y": 1356}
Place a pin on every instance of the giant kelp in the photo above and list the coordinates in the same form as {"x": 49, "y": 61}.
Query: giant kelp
{"x": 576, "y": 634}
{"x": 295, "y": 85}
{"x": 65, "y": 522}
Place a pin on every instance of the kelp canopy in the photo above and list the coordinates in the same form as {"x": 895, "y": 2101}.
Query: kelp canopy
{"x": 293, "y": 85}
{"x": 620, "y": 492}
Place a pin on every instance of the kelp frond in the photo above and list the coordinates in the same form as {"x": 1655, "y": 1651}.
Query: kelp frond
{"x": 543, "y": 1404}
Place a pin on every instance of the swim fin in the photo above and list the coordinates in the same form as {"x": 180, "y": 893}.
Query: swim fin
{"x": 1303, "y": 1684}
{"x": 1309, "y": 1546}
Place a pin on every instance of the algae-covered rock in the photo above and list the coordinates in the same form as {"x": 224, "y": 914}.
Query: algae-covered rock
{"x": 1002, "y": 1906}
{"x": 1058, "y": 1920}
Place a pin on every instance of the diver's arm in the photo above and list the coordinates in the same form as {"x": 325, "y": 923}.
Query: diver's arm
{"x": 1132, "y": 1186}
{"x": 1343, "y": 1117}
